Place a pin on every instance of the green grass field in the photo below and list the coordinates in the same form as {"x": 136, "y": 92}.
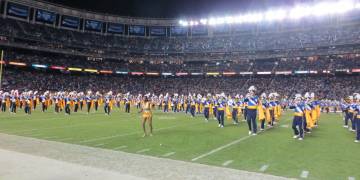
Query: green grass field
{"x": 328, "y": 153}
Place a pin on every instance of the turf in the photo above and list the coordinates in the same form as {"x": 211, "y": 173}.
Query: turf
{"x": 328, "y": 153}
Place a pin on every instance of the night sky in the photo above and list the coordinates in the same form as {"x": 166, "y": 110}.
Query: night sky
{"x": 174, "y": 8}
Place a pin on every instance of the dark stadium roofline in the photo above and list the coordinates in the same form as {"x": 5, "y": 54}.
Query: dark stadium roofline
{"x": 66, "y": 10}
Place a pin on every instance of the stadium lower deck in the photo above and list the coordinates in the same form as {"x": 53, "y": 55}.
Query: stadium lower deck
{"x": 327, "y": 153}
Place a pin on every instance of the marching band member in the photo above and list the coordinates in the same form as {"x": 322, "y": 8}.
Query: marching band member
{"x": 28, "y": 101}
{"x": 298, "y": 107}
{"x": 221, "y": 110}
{"x": 88, "y": 99}
{"x": 13, "y": 98}
{"x": 351, "y": 111}
{"x": 2, "y": 101}
{"x": 127, "y": 102}
{"x": 67, "y": 100}
{"x": 206, "y": 103}
{"x": 263, "y": 110}
{"x": 107, "y": 105}
{"x": 192, "y": 105}
{"x": 252, "y": 103}
{"x": 146, "y": 115}
{"x": 235, "y": 109}
{"x": 357, "y": 116}
{"x": 76, "y": 101}
{"x": 43, "y": 101}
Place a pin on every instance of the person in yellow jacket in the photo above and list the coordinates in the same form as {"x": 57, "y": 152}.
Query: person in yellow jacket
{"x": 261, "y": 109}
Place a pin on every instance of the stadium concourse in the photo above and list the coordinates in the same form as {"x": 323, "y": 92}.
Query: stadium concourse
{"x": 292, "y": 76}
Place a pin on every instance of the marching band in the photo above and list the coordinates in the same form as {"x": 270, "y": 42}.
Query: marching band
{"x": 263, "y": 108}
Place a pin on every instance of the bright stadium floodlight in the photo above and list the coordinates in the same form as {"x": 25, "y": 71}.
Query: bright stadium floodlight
{"x": 275, "y": 15}
{"x": 253, "y": 18}
{"x": 203, "y": 21}
{"x": 229, "y": 20}
{"x": 299, "y": 12}
{"x": 212, "y": 21}
{"x": 183, "y": 23}
{"x": 318, "y": 9}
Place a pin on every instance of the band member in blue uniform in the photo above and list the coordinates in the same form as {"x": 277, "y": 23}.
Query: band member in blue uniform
{"x": 298, "y": 121}
{"x": 107, "y": 101}
{"x": 357, "y": 116}
{"x": 221, "y": 110}
{"x": 252, "y": 103}
{"x": 206, "y": 103}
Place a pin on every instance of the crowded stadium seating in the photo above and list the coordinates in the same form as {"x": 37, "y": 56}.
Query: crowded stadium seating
{"x": 330, "y": 50}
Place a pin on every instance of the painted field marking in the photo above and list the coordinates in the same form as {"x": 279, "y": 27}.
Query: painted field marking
{"x": 225, "y": 146}
{"x": 264, "y": 168}
{"x": 351, "y": 178}
{"x": 119, "y": 147}
{"x": 226, "y": 163}
{"x": 131, "y": 133}
{"x": 168, "y": 154}
{"x": 304, "y": 174}
{"x": 143, "y": 150}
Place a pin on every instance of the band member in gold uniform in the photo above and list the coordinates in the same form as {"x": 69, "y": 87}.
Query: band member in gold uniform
{"x": 146, "y": 115}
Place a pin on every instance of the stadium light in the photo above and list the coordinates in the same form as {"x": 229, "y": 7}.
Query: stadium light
{"x": 297, "y": 12}
{"x": 275, "y": 15}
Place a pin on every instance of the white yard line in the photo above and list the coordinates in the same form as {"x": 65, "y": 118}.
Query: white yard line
{"x": 264, "y": 168}
{"x": 129, "y": 134}
{"x": 168, "y": 154}
{"x": 351, "y": 178}
{"x": 143, "y": 150}
{"x": 226, "y": 163}
{"x": 225, "y": 146}
{"x": 304, "y": 174}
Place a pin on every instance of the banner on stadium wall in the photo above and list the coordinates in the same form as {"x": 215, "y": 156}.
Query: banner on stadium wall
{"x": 283, "y": 72}
{"x": 74, "y": 69}
{"x": 213, "y": 73}
{"x": 302, "y": 72}
{"x": 313, "y": 72}
{"x": 106, "y": 72}
{"x": 181, "y": 74}
{"x": 45, "y": 16}
{"x": 91, "y": 70}
{"x": 57, "y": 67}
{"x": 137, "y": 73}
{"x": 326, "y": 71}
{"x": 17, "y": 10}
{"x": 17, "y": 63}
{"x": 246, "y": 73}
{"x": 116, "y": 28}
{"x": 196, "y": 74}
{"x": 166, "y": 74}
{"x": 263, "y": 73}
{"x": 152, "y": 73}
{"x": 122, "y": 72}
{"x": 229, "y": 73}
{"x": 355, "y": 70}
{"x": 39, "y": 66}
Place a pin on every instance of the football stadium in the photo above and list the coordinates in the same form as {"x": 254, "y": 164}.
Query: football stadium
{"x": 179, "y": 89}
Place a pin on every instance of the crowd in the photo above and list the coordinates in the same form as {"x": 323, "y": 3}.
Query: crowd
{"x": 331, "y": 87}
{"x": 321, "y": 39}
